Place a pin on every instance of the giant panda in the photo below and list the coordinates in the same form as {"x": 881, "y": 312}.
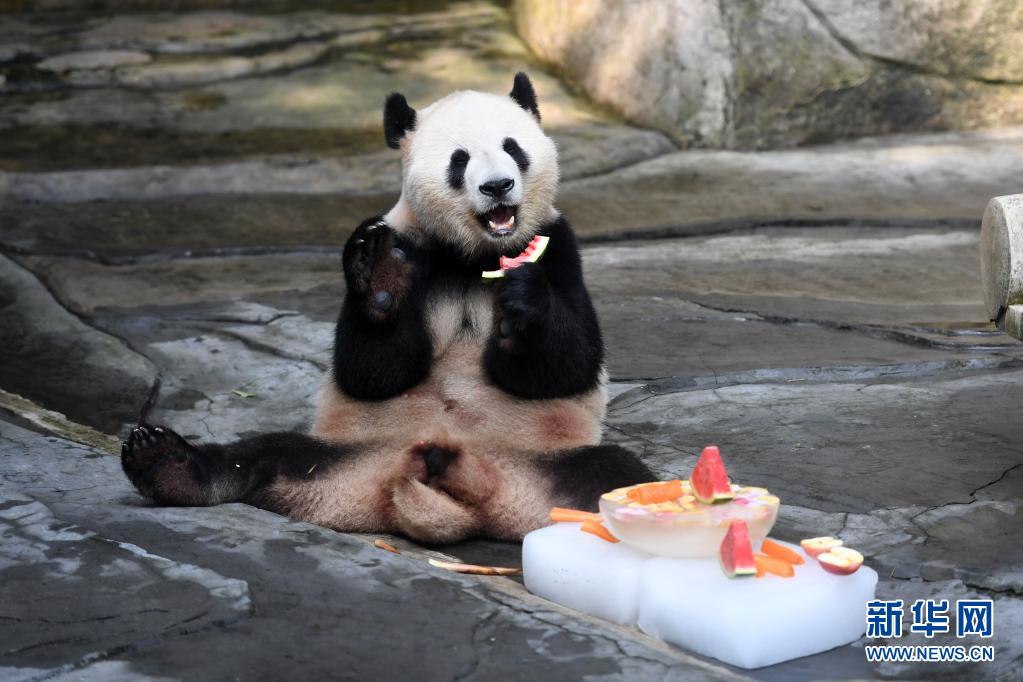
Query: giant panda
{"x": 456, "y": 407}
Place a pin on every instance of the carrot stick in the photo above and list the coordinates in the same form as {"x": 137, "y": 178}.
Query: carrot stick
{"x": 560, "y": 514}
{"x": 652, "y": 493}
{"x": 773, "y": 565}
{"x": 772, "y": 548}
{"x": 597, "y": 528}
{"x": 385, "y": 545}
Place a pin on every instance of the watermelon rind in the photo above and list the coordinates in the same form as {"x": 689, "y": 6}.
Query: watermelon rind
{"x": 531, "y": 254}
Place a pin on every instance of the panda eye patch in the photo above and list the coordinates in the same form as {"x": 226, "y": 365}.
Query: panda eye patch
{"x": 518, "y": 154}
{"x": 456, "y": 168}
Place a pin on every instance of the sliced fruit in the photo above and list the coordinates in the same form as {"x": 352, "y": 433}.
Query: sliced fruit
{"x": 532, "y": 253}
{"x": 840, "y": 560}
{"x": 736, "y": 551}
{"x": 815, "y": 546}
{"x": 769, "y": 564}
{"x": 778, "y": 551}
{"x": 653, "y": 493}
{"x": 560, "y": 514}
{"x": 597, "y": 528}
{"x": 709, "y": 479}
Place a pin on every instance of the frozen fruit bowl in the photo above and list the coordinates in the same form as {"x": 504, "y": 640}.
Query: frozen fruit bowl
{"x": 686, "y": 527}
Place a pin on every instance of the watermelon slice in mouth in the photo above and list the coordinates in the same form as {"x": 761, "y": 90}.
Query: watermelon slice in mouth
{"x": 534, "y": 249}
{"x": 499, "y": 221}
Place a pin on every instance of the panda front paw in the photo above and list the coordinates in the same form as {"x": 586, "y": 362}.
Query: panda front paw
{"x": 164, "y": 467}
{"x": 523, "y": 300}
{"x": 377, "y": 270}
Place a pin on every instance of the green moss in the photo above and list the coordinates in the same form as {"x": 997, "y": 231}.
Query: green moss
{"x": 37, "y": 416}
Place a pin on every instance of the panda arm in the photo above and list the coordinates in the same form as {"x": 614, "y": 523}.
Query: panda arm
{"x": 547, "y": 342}
{"x": 381, "y": 351}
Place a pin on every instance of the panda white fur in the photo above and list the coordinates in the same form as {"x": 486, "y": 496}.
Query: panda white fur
{"x": 456, "y": 407}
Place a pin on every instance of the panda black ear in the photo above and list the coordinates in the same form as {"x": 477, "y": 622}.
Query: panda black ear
{"x": 399, "y": 119}
{"x": 524, "y": 94}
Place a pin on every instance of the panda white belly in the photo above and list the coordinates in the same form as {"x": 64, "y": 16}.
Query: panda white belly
{"x": 492, "y": 485}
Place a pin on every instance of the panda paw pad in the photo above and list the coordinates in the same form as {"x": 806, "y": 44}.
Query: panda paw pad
{"x": 163, "y": 465}
{"x": 379, "y": 270}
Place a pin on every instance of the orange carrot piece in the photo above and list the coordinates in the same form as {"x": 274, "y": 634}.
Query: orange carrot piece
{"x": 652, "y": 493}
{"x": 772, "y": 548}
{"x": 560, "y": 514}
{"x": 383, "y": 544}
{"x": 773, "y": 565}
{"x": 597, "y": 528}
{"x": 760, "y": 569}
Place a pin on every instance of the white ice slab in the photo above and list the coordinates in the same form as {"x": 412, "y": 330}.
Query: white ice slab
{"x": 583, "y": 572}
{"x": 747, "y": 622}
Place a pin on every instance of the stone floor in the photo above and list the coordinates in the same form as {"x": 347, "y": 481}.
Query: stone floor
{"x": 174, "y": 190}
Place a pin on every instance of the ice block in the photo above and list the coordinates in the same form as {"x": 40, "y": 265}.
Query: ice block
{"x": 583, "y": 572}
{"x": 689, "y": 602}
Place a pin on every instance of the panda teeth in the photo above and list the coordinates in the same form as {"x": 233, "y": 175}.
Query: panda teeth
{"x": 503, "y": 226}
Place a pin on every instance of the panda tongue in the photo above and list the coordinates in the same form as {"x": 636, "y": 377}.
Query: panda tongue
{"x": 502, "y": 220}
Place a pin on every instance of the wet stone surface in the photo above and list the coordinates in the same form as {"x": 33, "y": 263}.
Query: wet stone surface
{"x": 174, "y": 192}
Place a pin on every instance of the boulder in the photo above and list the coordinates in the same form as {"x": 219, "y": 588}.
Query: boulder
{"x": 755, "y": 74}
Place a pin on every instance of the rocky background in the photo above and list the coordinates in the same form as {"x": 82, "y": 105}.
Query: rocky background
{"x": 175, "y": 188}
{"x": 761, "y": 74}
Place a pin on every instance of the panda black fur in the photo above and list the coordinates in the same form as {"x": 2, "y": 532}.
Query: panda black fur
{"x": 455, "y": 407}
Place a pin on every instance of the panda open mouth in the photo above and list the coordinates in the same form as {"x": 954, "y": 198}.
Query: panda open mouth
{"x": 499, "y": 221}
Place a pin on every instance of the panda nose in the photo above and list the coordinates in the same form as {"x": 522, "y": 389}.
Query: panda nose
{"x": 497, "y": 188}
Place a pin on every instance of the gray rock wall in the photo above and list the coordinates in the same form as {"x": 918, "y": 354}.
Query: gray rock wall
{"x": 755, "y": 74}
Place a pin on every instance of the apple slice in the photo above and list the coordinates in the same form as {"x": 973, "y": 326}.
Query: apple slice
{"x": 840, "y": 560}
{"x": 815, "y": 546}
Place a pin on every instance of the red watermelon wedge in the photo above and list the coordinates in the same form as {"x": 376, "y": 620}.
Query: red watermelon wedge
{"x": 709, "y": 479}
{"x": 532, "y": 253}
{"x": 736, "y": 552}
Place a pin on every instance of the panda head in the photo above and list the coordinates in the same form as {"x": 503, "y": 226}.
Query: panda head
{"x": 478, "y": 172}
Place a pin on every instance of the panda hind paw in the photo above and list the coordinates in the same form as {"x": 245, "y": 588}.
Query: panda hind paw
{"x": 163, "y": 466}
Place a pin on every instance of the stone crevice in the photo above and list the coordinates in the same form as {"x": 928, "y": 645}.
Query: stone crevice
{"x": 871, "y": 330}
{"x": 256, "y": 345}
{"x": 474, "y": 645}
{"x": 154, "y": 389}
{"x": 911, "y": 67}
{"x": 692, "y": 230}
{"x": 845, "y": 374}
{"x": 1001, "y": 478}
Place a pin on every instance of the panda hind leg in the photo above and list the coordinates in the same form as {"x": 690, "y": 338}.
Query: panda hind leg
{"x": 169, "y": 470}
{"x": 579, "y": 477}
